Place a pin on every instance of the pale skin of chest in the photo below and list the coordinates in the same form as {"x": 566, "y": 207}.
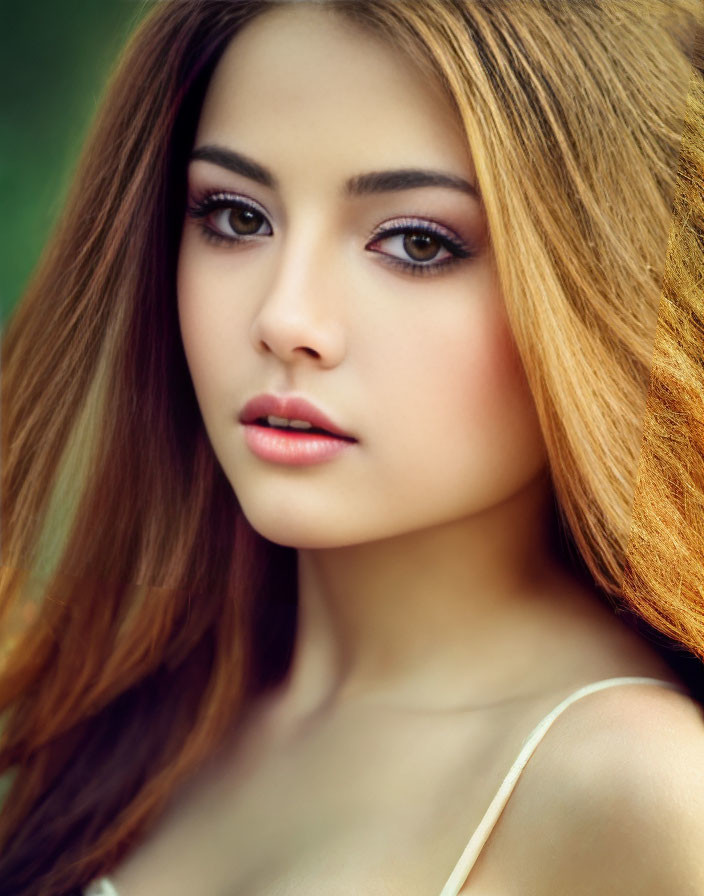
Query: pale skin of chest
{"x": 369, "y": 798}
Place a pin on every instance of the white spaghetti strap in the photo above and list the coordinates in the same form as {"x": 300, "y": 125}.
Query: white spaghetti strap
{"x": 481, "y": 834}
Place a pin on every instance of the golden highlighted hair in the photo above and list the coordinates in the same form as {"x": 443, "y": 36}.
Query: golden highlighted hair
{"x": 141, "y": 612}
{"x": 585, "y": 122}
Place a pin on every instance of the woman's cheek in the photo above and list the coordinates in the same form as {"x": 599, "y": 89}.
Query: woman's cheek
{"x": 491, "y": 386}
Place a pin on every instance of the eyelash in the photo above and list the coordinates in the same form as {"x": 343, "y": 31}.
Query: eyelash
{"x": 205, "y": 205}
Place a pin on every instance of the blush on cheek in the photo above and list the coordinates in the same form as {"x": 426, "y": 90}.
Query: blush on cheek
{"x": 500, "y": 393}
{"x": 508, "y": 363}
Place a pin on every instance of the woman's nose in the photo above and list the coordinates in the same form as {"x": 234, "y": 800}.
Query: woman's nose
{"x": 299, "y": 315}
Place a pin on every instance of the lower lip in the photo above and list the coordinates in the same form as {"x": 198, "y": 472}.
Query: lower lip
{"x": 292, "y": 448}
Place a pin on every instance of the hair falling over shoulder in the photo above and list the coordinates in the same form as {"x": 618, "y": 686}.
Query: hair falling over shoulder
{"x": 140, "y": 612}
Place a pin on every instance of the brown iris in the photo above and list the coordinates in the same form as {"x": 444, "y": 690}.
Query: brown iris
{"x": 244, "y": 220}
{"x": 420, "y": 246}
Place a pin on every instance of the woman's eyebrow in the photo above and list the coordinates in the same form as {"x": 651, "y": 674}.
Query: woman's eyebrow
{"x": 406, "y": 179}
{"x": 235, "y": 161}
{"x": 359, "y": 185}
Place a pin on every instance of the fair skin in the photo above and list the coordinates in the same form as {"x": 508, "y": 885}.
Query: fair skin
{"x": 436, "y": 627}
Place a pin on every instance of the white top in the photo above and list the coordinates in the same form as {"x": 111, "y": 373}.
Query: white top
{"x": 466, "y": 861}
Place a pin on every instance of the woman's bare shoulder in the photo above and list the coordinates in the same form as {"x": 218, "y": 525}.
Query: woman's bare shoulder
{"x": 612, "y": 802}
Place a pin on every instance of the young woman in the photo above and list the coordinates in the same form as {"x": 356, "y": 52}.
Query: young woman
{"x": 330, "y": 492}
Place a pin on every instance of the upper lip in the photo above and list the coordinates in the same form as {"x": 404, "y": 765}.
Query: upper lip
{"x": 291, "y": 407}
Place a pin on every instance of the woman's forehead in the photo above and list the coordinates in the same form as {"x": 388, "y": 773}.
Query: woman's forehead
{"x": 300, "y": 80}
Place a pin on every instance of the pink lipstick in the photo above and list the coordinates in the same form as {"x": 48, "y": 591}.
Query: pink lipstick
{"x": 290, "y": 430}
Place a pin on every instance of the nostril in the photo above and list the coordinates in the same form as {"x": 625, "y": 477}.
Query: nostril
{"x": 306, "y": 349}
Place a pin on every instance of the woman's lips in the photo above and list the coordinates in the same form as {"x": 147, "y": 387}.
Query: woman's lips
{"x": 277, "y": 441}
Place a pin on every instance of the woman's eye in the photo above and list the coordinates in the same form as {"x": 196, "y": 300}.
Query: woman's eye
{"x": 419, "y": 249}
{"x": 417, "y": 245}
{"x": 225, "y": 219}
{"x": 239, "y": 221}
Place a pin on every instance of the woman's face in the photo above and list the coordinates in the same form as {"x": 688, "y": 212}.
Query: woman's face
{"x": 373, "y": 298}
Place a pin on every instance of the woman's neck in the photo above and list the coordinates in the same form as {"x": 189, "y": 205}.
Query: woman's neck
{"x": 431, "y": 617}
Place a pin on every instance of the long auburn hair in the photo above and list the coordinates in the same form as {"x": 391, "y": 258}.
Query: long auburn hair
{"x": 141, "y": 613}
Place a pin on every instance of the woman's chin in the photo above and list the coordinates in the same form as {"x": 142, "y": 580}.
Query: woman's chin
{"x": 295, "y": 533}
{"x": 310, "y": 532}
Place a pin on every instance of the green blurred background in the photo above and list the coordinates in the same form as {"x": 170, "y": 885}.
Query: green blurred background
{"x": 55, "y": 58}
